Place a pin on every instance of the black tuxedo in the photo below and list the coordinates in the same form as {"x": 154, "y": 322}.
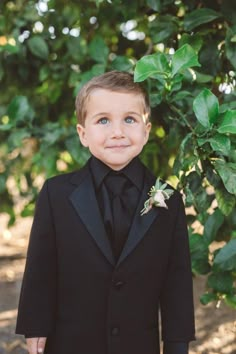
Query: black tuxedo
{"x": 75, "y": 293}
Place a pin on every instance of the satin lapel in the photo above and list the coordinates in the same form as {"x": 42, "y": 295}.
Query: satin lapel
{"x": 140, "y": 223}
{"x": 84, "y": 200}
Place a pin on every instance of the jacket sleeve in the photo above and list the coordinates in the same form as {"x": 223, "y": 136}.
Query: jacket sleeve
{"x": 37, "y": 304}
{"x": 177, "y": 310}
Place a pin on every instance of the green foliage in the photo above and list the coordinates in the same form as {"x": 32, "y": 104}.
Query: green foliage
{"x": 185, "y": 54}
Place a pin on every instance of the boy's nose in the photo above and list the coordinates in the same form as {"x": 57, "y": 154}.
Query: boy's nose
{"x": 117, "y": 129}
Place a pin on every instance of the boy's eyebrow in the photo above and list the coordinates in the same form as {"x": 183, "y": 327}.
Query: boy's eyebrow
{"x": 107, "y": 113}
{"x": 136, "y": 113}
{"x": 100, "y": 114}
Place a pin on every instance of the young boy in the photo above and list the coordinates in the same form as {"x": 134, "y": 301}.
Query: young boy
{"x": 97, "y": 270}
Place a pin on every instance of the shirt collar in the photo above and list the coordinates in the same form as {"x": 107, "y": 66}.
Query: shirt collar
{"x": 134, "y": 171}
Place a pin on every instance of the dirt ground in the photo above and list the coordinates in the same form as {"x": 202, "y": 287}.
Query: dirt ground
{"x": 215, "y": 327}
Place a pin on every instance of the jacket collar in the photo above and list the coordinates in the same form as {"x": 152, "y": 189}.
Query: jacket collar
{"x": 83, "y": 199}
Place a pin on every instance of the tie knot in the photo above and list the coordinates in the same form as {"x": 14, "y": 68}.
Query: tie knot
{"x": 115, "y": 183}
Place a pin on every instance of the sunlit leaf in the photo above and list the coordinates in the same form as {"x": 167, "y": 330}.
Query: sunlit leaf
{"x": 184, "y": 58}
{"x": 154, "y": 65}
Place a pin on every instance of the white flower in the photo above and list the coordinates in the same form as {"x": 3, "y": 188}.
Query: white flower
{"x": 159, "y": 199}
{"x": 158, "y": 195}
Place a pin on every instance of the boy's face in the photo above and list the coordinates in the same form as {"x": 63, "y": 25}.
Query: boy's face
{"x": 115, "y": 130}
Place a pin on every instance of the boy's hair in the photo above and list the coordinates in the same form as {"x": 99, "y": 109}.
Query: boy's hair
{"x": 117, "y": 81}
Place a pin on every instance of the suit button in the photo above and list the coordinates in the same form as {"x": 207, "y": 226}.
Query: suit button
{"x": 115, "y": 331}
{"x": 117, "y": 284}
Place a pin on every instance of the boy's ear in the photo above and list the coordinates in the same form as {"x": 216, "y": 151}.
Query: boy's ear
{"x": 147, "y": 131}
{"x": 82, "y": 135}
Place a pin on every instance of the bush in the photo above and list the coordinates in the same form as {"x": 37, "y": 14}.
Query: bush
{"x": 184, "y": 51}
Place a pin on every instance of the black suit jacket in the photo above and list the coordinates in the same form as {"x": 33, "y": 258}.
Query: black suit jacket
{"x": 74, "y": 293}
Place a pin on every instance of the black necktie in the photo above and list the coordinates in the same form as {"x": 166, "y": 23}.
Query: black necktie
{"x": 122, "y": 208}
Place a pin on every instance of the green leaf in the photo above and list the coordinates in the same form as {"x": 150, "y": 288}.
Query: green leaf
{"x": 98, "y": 50}
{"x": 200, "y": 266}
{"x": 19, "y": 109}
{"x": 212, "y": 226}
{"x": 226, "y": 201}
{"x": 16, "y": 138}
{"x": 199, "y": 254}
{"x": 230, "y": 45}
{"x": 207, "y": 298}
{"x": 76, "y": 150}
{"x": 154, "y": 65}
{"x": 197, "y": 244}
{"x": 155, "y": 99}
{"x": 203, "y": 78}
{"x": 162, "y": 28}
{"x": 227, "y": 172}
{"x": 184, "y": 58}
{"x": 226, "y": 257}
{"x": 199, "y": 17}
{"x": 98, "y": 69}
{"x": 221, "y": 282}
{"x": 228, "y": 123}
{"x": 227, "y": 106}
{"x": 12, "y": 49}
{"x": 28, "y": 210}
{"x": 154, "y": 4}
{"x": 195, "y": 40}
{"x": 38, "y": 47}
{"x": 53, "y": 132}
{"x": 206, "y": 108}
{"x": 202, "y": 200}
{"x": 3, "y": 180}
{"x": 230, "y": 300}
{"x": 5, "y": 127}
{"x": 121, "y": 63}
{"x": 181, "y": 95}
{"x": 220, "y": 143}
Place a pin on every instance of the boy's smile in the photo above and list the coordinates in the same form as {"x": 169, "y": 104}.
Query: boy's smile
{"x": 115, "y": 129}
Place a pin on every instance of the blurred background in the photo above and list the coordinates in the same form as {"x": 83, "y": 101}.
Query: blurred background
{"x": 184, "y": 53}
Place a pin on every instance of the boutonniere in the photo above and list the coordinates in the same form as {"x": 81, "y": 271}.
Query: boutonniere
{"x": 158, "y": 194}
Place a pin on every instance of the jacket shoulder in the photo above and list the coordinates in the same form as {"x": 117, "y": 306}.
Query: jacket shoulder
{"x": 73, "y": 177}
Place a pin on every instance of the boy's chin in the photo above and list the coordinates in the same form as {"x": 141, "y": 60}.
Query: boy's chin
{"x": 118, "y": 165}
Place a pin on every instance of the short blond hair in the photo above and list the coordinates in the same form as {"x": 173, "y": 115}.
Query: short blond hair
{"x": 116, "y": 81}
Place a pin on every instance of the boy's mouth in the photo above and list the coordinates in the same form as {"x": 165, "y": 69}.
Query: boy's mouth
{"x": 119, "y": 146}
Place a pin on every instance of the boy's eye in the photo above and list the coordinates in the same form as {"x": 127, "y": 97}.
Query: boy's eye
{"x": 129, "y": 120}
{"x": 103, "y": 120}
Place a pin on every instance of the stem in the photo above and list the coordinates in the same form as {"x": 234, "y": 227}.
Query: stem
{"x": 176, "y": 110}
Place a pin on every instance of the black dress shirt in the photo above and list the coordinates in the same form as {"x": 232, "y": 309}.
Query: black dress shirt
{"x": 105, "y": 181}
